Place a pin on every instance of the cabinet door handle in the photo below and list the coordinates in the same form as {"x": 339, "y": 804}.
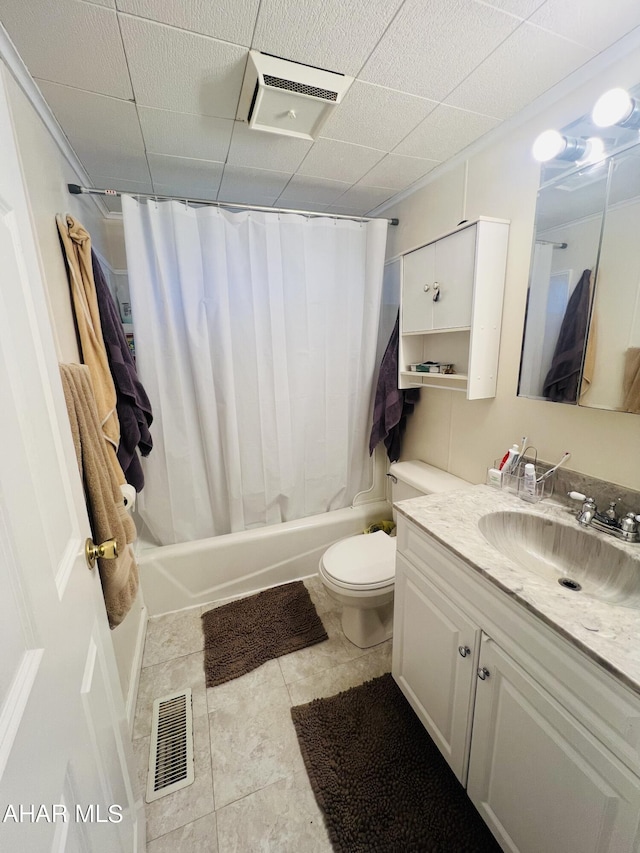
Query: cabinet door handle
{"x": 464, "y": 651}
{"x": 436, "y": 292}
{"x": 427, "y": 288}
{"x": 483, "y": 673}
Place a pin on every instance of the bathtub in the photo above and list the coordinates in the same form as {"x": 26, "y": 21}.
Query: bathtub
{"x": 177, "y": 576}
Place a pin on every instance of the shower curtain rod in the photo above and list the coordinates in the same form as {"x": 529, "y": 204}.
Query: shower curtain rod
{"x": 76, "y": 189}
{"x": 551, "y": 243}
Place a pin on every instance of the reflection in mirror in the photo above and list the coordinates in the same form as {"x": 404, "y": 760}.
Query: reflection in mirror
{"x": 569, "y": 218}
{"x": 582, "y": 327}
{"x": 616, "y": 377}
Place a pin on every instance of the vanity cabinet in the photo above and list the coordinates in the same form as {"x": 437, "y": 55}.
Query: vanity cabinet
{"x": 545, "y": 742}
{"x": 451, "y": 308}
{"x": 435, "y": 656}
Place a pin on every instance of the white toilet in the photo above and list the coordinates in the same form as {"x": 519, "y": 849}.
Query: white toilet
{"x": 359, "y": 572}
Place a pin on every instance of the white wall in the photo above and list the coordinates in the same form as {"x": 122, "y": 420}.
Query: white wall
{"x": 462, "y": 436}
{"x": 46, "y": 174}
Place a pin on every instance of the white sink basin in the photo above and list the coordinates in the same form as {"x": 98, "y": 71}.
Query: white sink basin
{"x": 600, "y": 567}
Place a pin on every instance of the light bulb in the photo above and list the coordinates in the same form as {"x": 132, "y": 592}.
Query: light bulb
{"x": 594, "y": 152}
{"x": 548, "y": 145}
{"x": 614, "y": 107}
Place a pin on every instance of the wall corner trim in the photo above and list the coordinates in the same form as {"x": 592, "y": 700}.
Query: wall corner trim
{"x": 18, "y": 70}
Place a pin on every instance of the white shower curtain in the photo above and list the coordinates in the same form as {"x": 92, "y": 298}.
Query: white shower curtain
{"x": 255, "y": 339}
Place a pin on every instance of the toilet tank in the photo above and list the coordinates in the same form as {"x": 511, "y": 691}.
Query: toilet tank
{"x": 415, "y": 479}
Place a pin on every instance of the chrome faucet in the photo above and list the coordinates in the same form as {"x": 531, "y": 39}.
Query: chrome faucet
{"x": 625, "y": 528}
{"x": 588, "y": 511}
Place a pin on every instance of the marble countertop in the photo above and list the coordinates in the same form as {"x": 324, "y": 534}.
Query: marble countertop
{"x": 608, "y": 633}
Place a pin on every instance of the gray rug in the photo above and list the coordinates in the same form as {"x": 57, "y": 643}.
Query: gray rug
{"x": 380, "y": 780}
{"x": 244, "y": 634}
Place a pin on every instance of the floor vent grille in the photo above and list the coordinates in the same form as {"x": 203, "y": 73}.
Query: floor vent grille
{"x": 171, "y": 751}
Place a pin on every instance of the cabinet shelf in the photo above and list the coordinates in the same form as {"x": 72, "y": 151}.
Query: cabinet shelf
{"x": 449, "y": 381}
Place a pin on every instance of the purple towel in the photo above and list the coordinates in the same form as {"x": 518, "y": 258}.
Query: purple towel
{"x": 133, "y": 406}
{"x": 562, "y": 380}
{"x": 392, "y": 405}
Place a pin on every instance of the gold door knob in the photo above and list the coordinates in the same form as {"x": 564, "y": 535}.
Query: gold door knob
{"x": 107, "y": 550}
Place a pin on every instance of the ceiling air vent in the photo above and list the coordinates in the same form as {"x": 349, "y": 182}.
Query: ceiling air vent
{"x": 288, "y": 98}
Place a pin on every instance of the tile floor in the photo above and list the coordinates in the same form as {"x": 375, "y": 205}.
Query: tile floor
{"x": 251, "y": 791}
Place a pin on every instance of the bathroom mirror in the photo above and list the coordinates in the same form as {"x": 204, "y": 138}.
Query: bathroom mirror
{"x": 581, "y": 342}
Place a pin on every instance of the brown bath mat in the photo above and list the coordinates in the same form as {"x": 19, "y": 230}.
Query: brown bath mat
{"x": 244, "y": 634}
{"x": 380, "y": 780}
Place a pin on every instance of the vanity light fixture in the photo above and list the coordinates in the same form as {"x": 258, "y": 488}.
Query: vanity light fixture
{"x": 616, "y": 107}
{"x": 552, "y": 145}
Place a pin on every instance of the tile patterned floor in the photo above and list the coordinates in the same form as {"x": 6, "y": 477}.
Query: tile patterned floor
{"x": 251, "y": 793}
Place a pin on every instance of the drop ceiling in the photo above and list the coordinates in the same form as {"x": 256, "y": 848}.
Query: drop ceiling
{"x": 147, "y": 91}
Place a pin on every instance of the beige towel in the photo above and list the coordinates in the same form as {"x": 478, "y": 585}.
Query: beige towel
{"x": 109, "y": 519}
{"x": 631, "y": 381}
{"x": 77, "y": 249}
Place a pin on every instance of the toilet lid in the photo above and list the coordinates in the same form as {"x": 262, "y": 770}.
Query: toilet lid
{"x": 366, "y": 560}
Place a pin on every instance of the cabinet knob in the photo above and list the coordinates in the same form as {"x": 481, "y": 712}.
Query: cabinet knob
{"x": 483, "y": 673}
{"x": 464, "y": 651}
{"x": 436, "y": 292}
{"x": 427, "y": 288}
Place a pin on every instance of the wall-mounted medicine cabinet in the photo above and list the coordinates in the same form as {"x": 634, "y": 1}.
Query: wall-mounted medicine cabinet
{"x": 451, "y": 309}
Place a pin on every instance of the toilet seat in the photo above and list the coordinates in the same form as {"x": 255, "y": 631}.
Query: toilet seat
{"x": 366, "y": 561}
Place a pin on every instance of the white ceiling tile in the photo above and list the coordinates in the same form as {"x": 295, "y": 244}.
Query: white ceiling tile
{"x": 305, "y": 190}
{"x": 237, "y": 181}
{"x": 262, "y": 150}
{"x": 229, "y": 20}
{"x": 103, "y": 131}
{"x": 362, "y": 198}
{"x": 593, "y": 23}
{"x": 340, "y": 161}
{"x": 185, "y": 134}
{"x": 444, "y": 132}
{"x": 374, "y": 116}
{"x": 69, "y": 42}
{"x": 111, "y": 4}
{"x": 504, "y": 84}
{"x": 397, "y": 171}
{"x": 108, "y": 182}
{"x": 332, "y": 34}
{"x": 176, "y": 70}
{"x": 314, "y": 206}
{"x": 520, "y": 8}
{"x": 183, "y": 175}
{"x": 427, "y": 52}
{"x": 352, "y": 210}
{"x": 178, "y": 191}
{"x": 245, "y": 195}
{"x": 125, "y": 165}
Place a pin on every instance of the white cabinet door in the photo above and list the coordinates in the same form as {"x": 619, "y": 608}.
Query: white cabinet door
{"x": 435, "y": 652}
{"x": 64, "y": 742}
{"x": 437, "y": 285}
{"x": 418, "y": 276}
{"x": 538, "y": 778}
{"x": 454, "y": 277}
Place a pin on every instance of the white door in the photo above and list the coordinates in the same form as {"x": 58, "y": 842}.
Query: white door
{"x": 538, "y": 778}
{"x": 67, "y": 780}
{"x": 435, "y": 650}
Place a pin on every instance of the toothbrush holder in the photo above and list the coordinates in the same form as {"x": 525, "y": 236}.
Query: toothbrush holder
{"x": 514, "y": 480}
